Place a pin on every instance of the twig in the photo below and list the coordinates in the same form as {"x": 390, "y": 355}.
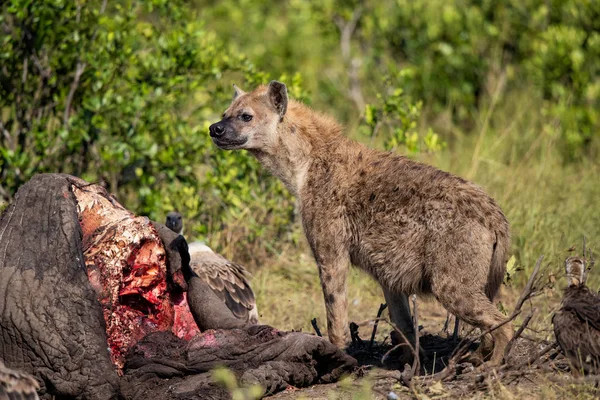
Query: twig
{"x": 406, "y": 341}
{"x": 446, "y": 323}
{"x": 382, "y": 307}
{"x": 78, "y": 72}
{"x": 463, "y": 346}
{"x": 467, "y": 342}
{"x": 346, "y": 31}
{"x": 519, "y": 332}
{"x": 354, "y": 335}
{"x": 527, "y": 292}
{"x": 313, "y": 322}
{"x": 416, "y": 362}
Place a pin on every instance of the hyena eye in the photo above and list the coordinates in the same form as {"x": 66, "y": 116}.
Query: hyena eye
{"x": 246, "y": 117}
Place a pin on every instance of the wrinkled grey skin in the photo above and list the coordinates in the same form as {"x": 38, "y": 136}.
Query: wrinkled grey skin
{"x": 51, "y": 324}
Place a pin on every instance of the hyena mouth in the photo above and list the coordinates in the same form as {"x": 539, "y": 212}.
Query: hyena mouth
{"x": 229, "y": 144}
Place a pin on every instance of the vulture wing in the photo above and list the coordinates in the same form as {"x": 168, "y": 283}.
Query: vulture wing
{"x": 228, "y": 280}
{"x": 16, "y": 385}
{"x": 586, "y": 304}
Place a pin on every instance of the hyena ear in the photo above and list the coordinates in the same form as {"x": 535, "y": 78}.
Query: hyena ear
{"x": 278, "y": 97}
{"x": 238, "y": 91}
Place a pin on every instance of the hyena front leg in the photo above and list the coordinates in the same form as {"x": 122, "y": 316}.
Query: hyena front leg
{"x": 333, "y": 272}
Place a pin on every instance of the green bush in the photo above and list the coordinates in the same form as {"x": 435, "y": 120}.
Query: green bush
{"x": 454, "y": 55}
{"x": 124, "y": 93}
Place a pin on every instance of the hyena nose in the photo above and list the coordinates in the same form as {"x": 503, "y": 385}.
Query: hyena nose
{"x": 216, "y": 130}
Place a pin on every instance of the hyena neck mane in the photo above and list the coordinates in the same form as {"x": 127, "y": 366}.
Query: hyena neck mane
{"x": 302, "y": 136}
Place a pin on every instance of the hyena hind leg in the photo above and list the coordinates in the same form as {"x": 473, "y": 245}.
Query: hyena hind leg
{"x": 399, "y": 309}
{"x": 474, "y": 308}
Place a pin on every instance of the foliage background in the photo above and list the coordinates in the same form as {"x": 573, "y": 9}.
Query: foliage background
{"x": 504, "y": 93}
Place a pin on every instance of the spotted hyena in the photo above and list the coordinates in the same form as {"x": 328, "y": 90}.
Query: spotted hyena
{"x": 414, "y": 228}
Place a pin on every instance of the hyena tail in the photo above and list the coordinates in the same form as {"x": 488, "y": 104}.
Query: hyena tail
{"x": 498, "y": 265}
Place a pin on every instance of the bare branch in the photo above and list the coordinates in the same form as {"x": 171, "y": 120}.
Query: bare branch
{"x": 313, "y": 322}
{"x": 347, "y": 29}
{"x": 78, "y": 72}
{"x": 463, "y": 347}
{"x": 416, "y": 367}
{"x": 519, "y": 332}
{"x": 404, "y": 338}
{"x": 5, "y": 132}
{"x": 382, "y": 307}
{"x": 529, "y": 288}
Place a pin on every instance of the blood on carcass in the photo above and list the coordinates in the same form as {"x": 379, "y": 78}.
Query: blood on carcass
{"x": 127, "y": 267}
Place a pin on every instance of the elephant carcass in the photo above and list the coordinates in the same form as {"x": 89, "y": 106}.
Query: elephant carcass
{"x": 51, "y": 323}
{"x": 89, "y": 292}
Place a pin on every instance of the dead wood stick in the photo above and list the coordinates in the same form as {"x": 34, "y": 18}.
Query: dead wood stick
{"x": 527, "y": 292}
{"x": 313, "y": 322}
{"x": 463, "y": 346}
{"x": 525, "y": 295}
{"x": 466, "y": 342}
{"x": 382, "y": 307}
{"x": 406, "y": 341}
{"x": 416, "y": 367}
{"x": 354, "y": 334}
{"x": 519, "y": 332}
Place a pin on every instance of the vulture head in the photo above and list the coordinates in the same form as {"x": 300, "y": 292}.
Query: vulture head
{"x": 575, "y": 269}
{"x": 175, "y": 222}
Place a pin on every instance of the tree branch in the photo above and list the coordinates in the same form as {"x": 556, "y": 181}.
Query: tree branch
{"x": 347, "y": 29}
{"x": 78, "y": 72}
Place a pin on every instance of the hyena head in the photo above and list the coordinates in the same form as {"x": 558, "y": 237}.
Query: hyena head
{"x": 251, "y": 120}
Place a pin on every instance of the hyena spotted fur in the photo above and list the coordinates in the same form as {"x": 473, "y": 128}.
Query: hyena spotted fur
{"x": 414, "y": 228}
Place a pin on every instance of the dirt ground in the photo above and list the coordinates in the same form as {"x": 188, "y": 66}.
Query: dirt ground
{"x": 546, "y": 376}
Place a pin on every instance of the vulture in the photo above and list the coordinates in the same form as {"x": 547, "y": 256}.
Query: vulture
{"x": 577, "y": 322}
{"x": 228, "y": 280}
{"x": 15, "y": 385}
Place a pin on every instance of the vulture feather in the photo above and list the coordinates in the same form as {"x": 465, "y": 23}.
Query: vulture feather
{"x": 228, "y": 280}
{"x": 15, "y": 385}
{"x": 577, "y": 322}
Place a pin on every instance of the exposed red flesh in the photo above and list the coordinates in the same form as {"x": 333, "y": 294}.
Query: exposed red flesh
{"x": 126, "y": 266}
{"x": 184, "y": 325}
